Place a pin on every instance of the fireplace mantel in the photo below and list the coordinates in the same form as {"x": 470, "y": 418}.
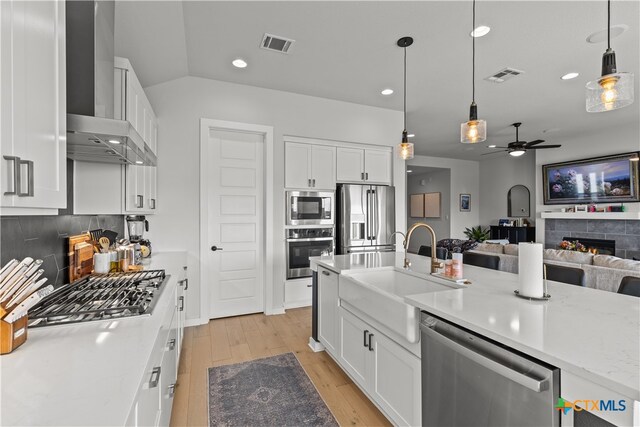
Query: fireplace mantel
{"x": 591, "y": 215}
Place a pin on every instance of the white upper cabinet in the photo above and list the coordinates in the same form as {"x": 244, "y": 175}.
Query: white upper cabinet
{"x": 135, "y": 189}
{"x": 32, "y": 105}
{"x": 310, "y": 166}
{"x": 350, "y": 165}
{"x": 377, "y": 166}
{"x": 364, "y": 165}
{"x": 131, "y": 103}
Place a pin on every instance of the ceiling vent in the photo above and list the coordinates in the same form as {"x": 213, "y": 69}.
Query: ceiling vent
{"x": 277, "y": 43}
{"x": 504, "y": 75}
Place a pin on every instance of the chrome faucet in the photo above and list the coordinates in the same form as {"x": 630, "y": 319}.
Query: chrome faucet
{"x": 435, "y": 264}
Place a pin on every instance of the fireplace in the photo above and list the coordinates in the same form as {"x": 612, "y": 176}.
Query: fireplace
{"x": 597, "y": 246}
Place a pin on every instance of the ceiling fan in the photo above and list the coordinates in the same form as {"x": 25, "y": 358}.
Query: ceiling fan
{"x": 517, "y": 148}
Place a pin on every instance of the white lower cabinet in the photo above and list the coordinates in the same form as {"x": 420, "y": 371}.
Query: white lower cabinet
{"x": 154, "y": 399}
{"x": 388, "y": 373}
{"x": 328, "y": 327}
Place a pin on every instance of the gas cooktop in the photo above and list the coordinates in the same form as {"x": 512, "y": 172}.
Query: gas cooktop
{"x": 100, "y": 297}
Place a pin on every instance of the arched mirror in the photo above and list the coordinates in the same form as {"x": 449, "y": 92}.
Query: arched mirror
{"x": 518, "y": 201}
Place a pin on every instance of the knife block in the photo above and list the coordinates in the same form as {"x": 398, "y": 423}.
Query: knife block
{"x": 12, "y": 335}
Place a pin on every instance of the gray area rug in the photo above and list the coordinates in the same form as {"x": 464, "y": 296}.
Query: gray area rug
{"x": 274, "y": 391}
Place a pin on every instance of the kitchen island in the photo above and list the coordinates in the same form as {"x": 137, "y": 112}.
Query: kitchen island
{"x": 592, "y": 336}
{"x": 89, "y": 373}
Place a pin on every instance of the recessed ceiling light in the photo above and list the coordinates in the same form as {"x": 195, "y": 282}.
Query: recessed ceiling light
{"x": 409, "y": 171}
{"x": 570, "y": 76}
{"x": 114, "y": 141}
{"x": 480, "y": 31}
{"x": 387, "y": 91}
{"x": 491, "y": 146}
{"x": 601, "y": 36}
{"x": 411, "y": 135}
{"x": 139, "y": 162}
{"x": 239, "y": 63}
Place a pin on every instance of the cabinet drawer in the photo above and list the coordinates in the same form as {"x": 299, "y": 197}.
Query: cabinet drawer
{"x": 297, "y": 293}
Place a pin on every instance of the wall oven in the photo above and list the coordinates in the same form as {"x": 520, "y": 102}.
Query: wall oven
{"x": 310, "y": 208}
{"x": 303, "y": 243}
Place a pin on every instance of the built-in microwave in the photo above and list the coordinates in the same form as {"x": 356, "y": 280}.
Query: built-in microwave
{"x": 310, "y": 208}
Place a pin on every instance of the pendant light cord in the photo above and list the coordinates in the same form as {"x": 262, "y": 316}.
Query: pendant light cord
{"x": 405, "y": 88}
{"x": 473, "y": 56}
{"x": 608, "y": 24}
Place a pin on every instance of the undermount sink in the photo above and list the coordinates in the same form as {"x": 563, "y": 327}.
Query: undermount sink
{"x": 380, "y": 294}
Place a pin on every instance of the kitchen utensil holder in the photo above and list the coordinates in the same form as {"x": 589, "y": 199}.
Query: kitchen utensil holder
{"x": 12, "y": 335}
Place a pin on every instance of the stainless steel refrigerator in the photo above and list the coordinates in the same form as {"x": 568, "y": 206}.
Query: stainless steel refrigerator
{"x": 365, "y": 218}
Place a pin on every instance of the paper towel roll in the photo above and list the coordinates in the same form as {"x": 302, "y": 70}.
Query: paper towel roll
{"x": 530, "y": 270}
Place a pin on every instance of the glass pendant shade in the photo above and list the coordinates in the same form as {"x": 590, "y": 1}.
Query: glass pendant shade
{"x": 516, "y": 153}
{"x": 473, "y": 131}
{"x": 610, "y": 92}
{"x": 405, "y": 150}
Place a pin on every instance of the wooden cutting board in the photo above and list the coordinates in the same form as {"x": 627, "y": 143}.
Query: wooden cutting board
{"x": 76, "y": 269}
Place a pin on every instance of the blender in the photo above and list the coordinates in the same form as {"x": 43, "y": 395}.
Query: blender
{"x": 137, "y": 225}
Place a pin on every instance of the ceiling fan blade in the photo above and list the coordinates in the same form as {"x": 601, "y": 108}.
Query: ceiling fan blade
{"x": 544, "y": 146}
{"x": 496, "y": 147}
{"x": 536, "y": 142}
{"x": 495, "y": 152}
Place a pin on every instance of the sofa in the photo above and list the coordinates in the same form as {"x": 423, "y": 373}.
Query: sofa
{"x": 601, "y": 271}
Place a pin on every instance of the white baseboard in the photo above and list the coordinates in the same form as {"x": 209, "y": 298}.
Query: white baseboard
{"x": 297, "y": 304}
{"x": 274, "y": 311}
{"x": 194, "y": 322}
{"x": 315, "y": 346}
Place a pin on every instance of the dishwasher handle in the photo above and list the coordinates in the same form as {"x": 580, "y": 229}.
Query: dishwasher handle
{"x": 505, "y": 371}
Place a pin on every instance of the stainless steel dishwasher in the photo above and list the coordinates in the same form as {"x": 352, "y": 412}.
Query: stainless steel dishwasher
{"x": 468, "y": 380}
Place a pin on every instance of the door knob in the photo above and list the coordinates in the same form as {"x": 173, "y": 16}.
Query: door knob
{"x": 215, "y": 248}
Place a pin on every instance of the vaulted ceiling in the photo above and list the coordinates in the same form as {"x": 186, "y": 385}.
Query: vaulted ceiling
{"x": 347, "y": 51}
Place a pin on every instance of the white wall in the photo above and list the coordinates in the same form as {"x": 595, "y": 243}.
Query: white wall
{"x": 434, "y": 182}
{"x": 612, "y": 140}
{"x": 181, "y": 103}
{"x": 497, "y": 176}
{"x": 465, "y": 175}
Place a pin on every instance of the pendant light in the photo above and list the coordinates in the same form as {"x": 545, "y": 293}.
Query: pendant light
{"x": 405, "y": 148}
{"x": 474, "y": 130}
{"x": 612, "y": 90}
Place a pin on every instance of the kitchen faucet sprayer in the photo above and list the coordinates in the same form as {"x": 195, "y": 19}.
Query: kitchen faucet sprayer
{"x": 435, "y": 264}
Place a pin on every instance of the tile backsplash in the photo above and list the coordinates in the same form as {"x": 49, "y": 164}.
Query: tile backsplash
{"x": 45, "y": 238}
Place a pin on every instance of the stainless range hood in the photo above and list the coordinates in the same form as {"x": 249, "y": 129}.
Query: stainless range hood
{"x": 93, "y": 134}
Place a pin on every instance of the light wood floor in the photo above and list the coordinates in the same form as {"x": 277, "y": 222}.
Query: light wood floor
{"x": 238, "y": 339}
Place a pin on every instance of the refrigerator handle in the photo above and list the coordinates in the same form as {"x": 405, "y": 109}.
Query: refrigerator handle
{"x": 374, "y": 216}
{"x": 368, "y": 214}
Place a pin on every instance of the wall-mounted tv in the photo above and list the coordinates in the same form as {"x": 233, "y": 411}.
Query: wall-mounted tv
{"x": 608, "y": 179}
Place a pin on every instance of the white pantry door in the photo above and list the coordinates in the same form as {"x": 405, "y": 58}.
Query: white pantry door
{"x": 235, "y": 223}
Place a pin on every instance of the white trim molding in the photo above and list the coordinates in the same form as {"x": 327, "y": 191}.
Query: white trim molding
{"x": 206, "y": 126}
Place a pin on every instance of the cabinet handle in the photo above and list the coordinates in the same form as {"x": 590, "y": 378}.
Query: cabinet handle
{"x": 153, "y": 382}
{"x": 366, "y": 176}
{"x": 370, "y": 336}
{"x": 16, "y": 174}
{"x": 30, "y": 185}
{"x": 314, "y": 183}
{"x": 326, "y": 273}
{"x": 153, "y": 203}
{"x": 309, "y": 286}
{"x": 172, "y": 390}
{"x": 185, "y": 283}
{"x": 171, "y": 344}
{"x": 365, "y": 337}
{"x": 140, "y": 203}
{"x": 309, "y": 182}
{"x": 362, "y": 176}
{"x": 181, "y": 306}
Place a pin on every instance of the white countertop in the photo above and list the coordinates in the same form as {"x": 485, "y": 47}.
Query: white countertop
{"x": 591, "y": 333}
{"x": 83, "y": 374}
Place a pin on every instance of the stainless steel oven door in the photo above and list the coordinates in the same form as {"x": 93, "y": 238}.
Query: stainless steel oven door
{"x": 299, "y": 251}
{"x": 310, "y": 208}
